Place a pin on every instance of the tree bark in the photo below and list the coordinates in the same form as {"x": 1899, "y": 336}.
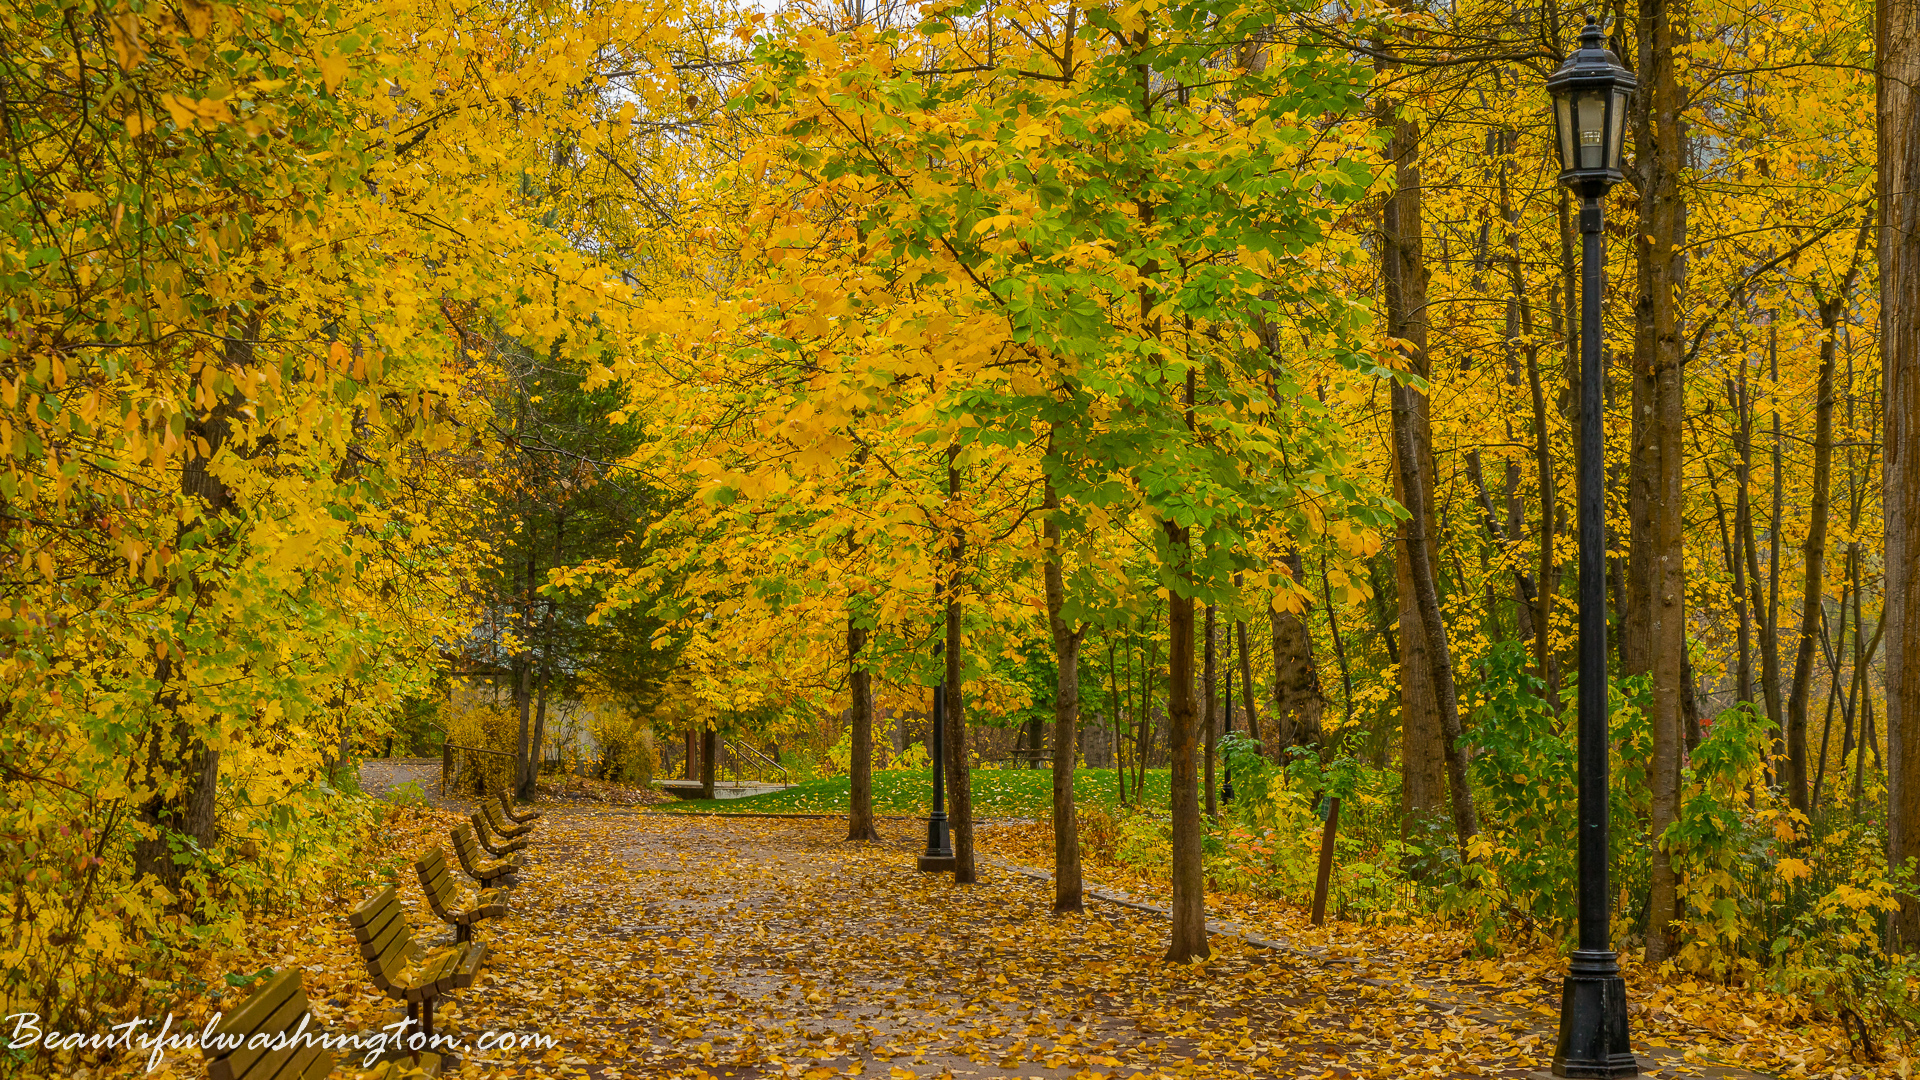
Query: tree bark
{"x": 1189, "y": 934}
{"x": 182, "y": 772}
{"x": 1897, "y": 51}
{"x": 1423, "y": 791}
{"x": 1656, "y": 590}
{"x": 1814, "y": 551}
{"x": 709, "y": 761}
{"x": 1298, "y": 703}
{"x": 1067, "y": 886}
{"x": 1211, "y": 702}
{"x": 860, "y": 767}
{"x": 1427, "y": 753}
{"x": 959, "y": 754}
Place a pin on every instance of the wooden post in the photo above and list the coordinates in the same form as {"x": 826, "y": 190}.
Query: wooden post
{"x": 1326, "y": 861}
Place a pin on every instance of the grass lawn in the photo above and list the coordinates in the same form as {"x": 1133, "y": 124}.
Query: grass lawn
{"x": 996, "y": 793}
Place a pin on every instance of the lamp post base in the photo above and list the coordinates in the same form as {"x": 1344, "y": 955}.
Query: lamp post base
{"x": 939, "y": 854}
{"x": 1593, "y": 1020}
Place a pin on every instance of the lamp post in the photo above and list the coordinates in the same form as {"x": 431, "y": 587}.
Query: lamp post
{"x": 939, "y": 853}
{"x": 1590, "y": 94}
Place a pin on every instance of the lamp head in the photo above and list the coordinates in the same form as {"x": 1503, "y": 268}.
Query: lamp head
{"x": 1590, "y": 93}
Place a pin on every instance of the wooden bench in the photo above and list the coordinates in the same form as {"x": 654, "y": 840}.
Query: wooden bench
{"x": 277, "y": 1007}
{"x": 521, "y": 816}
{"x": 401, "y": 969}
{"x": 457, "y": 910}
{"x": 486, "y": 873}
{"x": 499, "y": 849}
{"x": 500, "y": 825}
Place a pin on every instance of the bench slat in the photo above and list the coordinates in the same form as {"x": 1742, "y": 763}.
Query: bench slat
{"x": 273, "y": 1009}
{"x": 371, "y": 907}
{"x": 260, "y": 1006}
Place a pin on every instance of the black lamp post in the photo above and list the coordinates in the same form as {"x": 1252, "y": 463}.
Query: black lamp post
{"x": 939, "y": 853}
{"x": 1590, "y": 94}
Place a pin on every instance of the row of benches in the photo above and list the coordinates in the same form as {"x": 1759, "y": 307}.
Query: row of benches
{"x": 398, "y": 966}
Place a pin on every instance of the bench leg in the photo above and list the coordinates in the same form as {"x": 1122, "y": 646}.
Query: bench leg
{"x": 462, "y": 932}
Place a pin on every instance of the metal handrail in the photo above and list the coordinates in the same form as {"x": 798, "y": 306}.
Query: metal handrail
{"x": 735, "y": 748}
{"x": 446, "y": 761}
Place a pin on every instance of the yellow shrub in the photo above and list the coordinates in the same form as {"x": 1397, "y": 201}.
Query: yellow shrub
{"x": 627, "y": 753}
{"x": 477, "y": 724}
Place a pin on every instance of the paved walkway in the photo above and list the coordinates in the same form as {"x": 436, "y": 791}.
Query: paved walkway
{"x": 681, "y": 946}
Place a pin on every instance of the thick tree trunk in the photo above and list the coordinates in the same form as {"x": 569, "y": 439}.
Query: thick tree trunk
{"x": 1067, "y": 887}
{"x": 1432, "y": 625}
{"x": 1897, "y": 51}
{"x": 1423, "y": 750}
{"x": 182, "y": 772}
{"x": 1657, "y": 581}
{"x": 1189, "y": 938}
{"x": 1298, "y": 703}
{"x": 860, "y": 767}
{"x": 959, "y": 754}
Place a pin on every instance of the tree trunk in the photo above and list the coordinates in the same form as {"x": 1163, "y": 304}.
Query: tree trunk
{"x": 1424, "y": 750}
{"x": 1298, "y": 703}
{"x": 959, "y": 753}
{"x": 181, "y": 772}
{"x": 1814, "y": 552}
{"x": 1189, "y": 937}
{"x": 523, "y": 691}
{"x": 1657, "y": 574}
{"x": 1273, "y": 734}
{"x": 1067, "y": 887}
{"x": 860, "y": 768}
{"x": 709, "y": 761}
{"x": 1897, "y": 52}
{"x": 1211, "y": 701}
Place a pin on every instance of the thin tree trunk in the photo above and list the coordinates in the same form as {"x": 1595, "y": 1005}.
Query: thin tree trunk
{"x": 860, "y": 766}
{"x": 1339, "y": 649}
{"x": 523, "y": 689}
{"x": 709, "y": 761}
{"x": 1814, "y": 552}
{"x": 1770, "y": 640}
{"x": 959, "y": 756}
{"x": 1212, "y": 719}
{"x": 1067, "y": 887}
{"x": 1299, "y": 705}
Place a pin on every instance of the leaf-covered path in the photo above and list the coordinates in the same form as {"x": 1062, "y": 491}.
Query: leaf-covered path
{"x": 654, "y": 945}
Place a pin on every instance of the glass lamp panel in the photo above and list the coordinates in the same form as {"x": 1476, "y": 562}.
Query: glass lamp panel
{"x": 1617, "y": 122}
{"x": 1563, "y": 121}
{"x": 1590, "y": 110}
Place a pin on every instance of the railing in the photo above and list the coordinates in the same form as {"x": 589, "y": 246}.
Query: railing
{"x": 449, "y": 774}
{"x": 734, "y": 752}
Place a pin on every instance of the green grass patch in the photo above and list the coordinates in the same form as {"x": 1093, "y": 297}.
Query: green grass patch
{"x": 996, "y": 793}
